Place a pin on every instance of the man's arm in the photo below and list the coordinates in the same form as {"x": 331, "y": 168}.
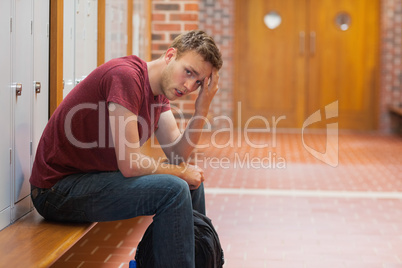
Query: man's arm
{"x": 129, "y": 158}
{"x": 176, "y": 145}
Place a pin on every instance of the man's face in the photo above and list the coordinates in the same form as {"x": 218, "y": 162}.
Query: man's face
{"x": 184, "y": 75}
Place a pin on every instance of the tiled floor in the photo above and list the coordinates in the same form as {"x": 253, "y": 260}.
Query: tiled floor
{"x": 279, "y": 206}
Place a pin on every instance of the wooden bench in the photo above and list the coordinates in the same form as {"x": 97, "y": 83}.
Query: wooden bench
{"x": 35, "y": 242}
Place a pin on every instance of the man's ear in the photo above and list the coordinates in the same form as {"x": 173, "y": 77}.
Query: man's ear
{"x": 170, "y": 54}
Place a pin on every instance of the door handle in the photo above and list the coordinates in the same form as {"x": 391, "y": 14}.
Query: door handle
{"x": 18, "y": 89}
{"x": 37, "y": 87}
{"x": 312, "y": 43}
{"x": 301, "y": 42}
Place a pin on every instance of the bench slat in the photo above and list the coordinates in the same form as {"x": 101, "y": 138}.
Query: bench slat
{"x": 34, "y": 242}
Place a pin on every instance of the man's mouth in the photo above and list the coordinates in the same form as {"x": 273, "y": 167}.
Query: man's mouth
{"x": 178, "y": 93}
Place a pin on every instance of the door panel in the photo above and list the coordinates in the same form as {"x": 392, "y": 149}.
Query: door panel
{"x": 343, "y": 66}
{"x": 270, "y": 62}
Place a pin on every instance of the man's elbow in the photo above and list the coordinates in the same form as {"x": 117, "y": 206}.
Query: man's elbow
{"x": 128, "y": 171}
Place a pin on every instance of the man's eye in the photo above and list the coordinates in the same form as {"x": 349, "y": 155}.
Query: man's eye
{"x": 188, "y": 72}
{"x": 199, "y": 82}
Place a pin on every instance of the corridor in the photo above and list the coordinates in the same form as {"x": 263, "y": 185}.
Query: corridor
{"x": 279, "y": 206}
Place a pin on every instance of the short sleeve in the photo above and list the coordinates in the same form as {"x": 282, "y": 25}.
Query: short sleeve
{"x": 123, "y": 85}
{"x": 166, "y": 104}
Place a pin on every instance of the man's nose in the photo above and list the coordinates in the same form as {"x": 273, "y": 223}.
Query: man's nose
{"x": 191, "y": 85}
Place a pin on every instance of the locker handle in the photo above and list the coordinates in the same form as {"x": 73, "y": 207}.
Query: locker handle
{"x": 37, "y": 87}
{"x": 18, "y": 89}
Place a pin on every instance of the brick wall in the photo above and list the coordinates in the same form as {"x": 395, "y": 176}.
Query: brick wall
{"x": 169, "y": 19}
{"x": 391, "y": 56}
{"x": 216, "y": 17}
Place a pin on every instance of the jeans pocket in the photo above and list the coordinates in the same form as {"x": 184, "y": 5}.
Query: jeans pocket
{"x": 54, "y": 213}
{"x": 38, "y": 197}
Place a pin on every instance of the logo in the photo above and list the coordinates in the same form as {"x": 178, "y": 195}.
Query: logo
{"x": 331, "y": 154}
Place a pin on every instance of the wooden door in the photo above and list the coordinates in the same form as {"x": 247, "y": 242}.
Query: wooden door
{"x": 270, "y": 63}
{"x": 344, "y": 36}
{"x": 307, "y": 62}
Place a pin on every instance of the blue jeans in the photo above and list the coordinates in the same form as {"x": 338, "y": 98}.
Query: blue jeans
{"x": 109, "y": 196}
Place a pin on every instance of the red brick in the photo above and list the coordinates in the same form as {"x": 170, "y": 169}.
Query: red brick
{"x": 158, "y": 17}
{"x": 167, "y": 7}
{"x": 189, "y": 27}
{"x": 192, "y": 96}
{"x": 184, "y": 17}
{"x": 166, "y": 27}
{"x": 160, "y": 46}
{"x": 191, "y": 7}
{"x": 155, "y": 55}
{"x": 174, "y": 35}
{"x": 158, "y": 37}
{"x": 188, "y": 107}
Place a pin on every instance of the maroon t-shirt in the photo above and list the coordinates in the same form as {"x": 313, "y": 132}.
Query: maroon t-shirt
{"x": 77, "y": 138}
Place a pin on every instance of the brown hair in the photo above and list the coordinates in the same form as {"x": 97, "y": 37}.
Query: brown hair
{"x": 200, "y": 42}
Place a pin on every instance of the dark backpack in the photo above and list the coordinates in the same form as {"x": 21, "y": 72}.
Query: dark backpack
{"x": 208, "y": 250}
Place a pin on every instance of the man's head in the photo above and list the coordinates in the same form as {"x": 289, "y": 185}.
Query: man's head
{"x": 198, "y": 41}
{"x": 189, "y": 62}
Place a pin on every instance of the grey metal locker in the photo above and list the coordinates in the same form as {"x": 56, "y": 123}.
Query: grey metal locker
{"x": 22, "y": 81}
{"x": 86, "y": 40}
{"x": 40, "y": 70}
{"x": 29, "y": 105}
{"x": 5, "y": 114}
{"x": 115, "y": 29}
{"x": 24, "y": 71}
{"x": 80, "y": 22}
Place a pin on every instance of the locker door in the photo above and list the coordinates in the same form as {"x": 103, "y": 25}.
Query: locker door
{"x": 115, "y": 29}
{"x": 80, "y": 41}
{"x": 86, "y": 23}
{"x": 41, "y": 70}
{"x": 68, "y": 46}
{"x": 5, "y": 115}
{"x": 22, "y": 57}
{"x": 141, "y": 29}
